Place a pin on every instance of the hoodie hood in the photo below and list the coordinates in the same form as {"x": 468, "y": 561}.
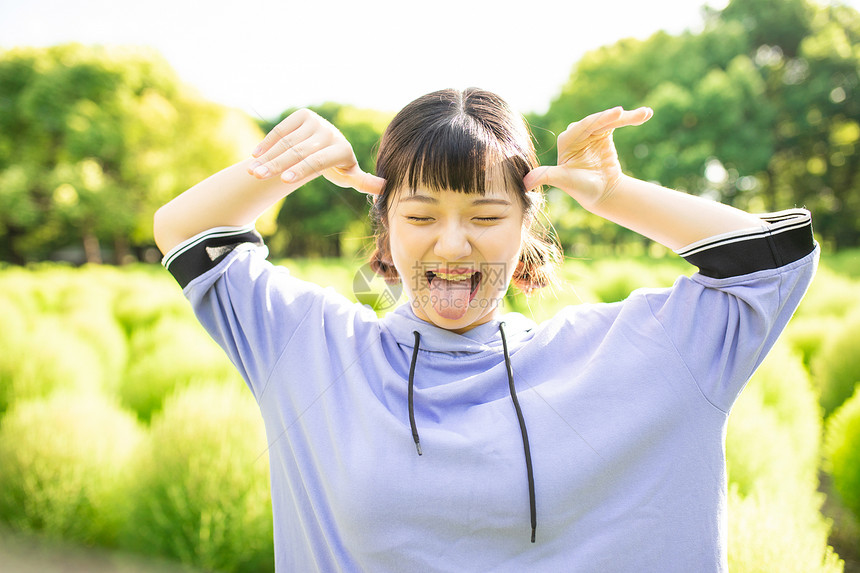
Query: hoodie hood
{"x": 486, "y": 341}
{"x": 402, "y": 323}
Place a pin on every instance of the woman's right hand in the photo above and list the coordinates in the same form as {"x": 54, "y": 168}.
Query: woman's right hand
{"x": 304, "y": 146}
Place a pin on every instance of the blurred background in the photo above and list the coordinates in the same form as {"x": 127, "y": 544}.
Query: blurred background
{"x": 128, "y": 443}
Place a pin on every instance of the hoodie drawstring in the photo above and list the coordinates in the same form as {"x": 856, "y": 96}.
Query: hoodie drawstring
{"x": 412, "y": 391}
{"x": 523, "y": 432}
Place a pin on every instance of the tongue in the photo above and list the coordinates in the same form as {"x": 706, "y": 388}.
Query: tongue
{"x": 450, "y": 298}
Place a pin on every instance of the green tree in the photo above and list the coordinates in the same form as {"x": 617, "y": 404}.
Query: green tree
{"x": 817, "y": 160}
{"x": 755, "y": 110}
{"x": 93, "y": 140}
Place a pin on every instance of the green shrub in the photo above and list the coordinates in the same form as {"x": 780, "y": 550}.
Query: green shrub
{"x": 82, "y": 304}
{"x": 64, "y": 467}
{"x": 836, "y": 368}
{"x": 845, "y": 262}
{"x": 773, "y": 435}
{"x": 574, "y": 286}
{"x": 140, "y": 299}
{"x": 170, "y": 354}
{"x": 612, "y": 280}
{"x": 58, "y": 332}
{"x": 14, "y": 317}
{"x": 772, "y": 450}
{"x": 584, "y": 282}
{"x": 830, "y": 294}
{"x": 807, "y": 334}
{"x": 842, "y": 451}
{"x": 46, "y": 358}
{"x": 16, "y": 287}
{"x": 769, "y": 535}
{"x": 202, "y": 492}
{"x": 326, "y": 272}
{"x": 14, "y": 324}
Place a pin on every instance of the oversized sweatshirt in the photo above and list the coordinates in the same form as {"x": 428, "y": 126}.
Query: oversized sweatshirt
{"x": 625, "y": 404}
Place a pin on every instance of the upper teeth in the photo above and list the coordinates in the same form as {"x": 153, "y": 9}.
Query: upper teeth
{"x": 454, "y": 277}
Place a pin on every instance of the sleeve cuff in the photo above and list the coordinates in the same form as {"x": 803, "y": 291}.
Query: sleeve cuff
{"x": 193, "y": 257}
{"x": 785, "y": 236}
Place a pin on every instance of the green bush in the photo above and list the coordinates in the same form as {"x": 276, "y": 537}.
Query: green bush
{"x": 16, "y": 287}
{"x": 85, "y": 306}
{"x": 612, "y": 281}
{"x": 335, "y": 273}
{"x": 836, "y": 368}
{"x": 842, "y": 451}
{"x": 64, "y": 467}
{"x": 807, "y": 334}
{"x": 202, "y": 489}
{"x": 141, "y": 298}
{"x": 59, "y": 332}
{"x": 772, "y": 450}
{"x": 769, "y": 535}
{"x": 830, "y": 294}
{"x": 773, "y": 435}
{"x": 845, "y": 262}
{"x": 170, "y": 354}
{"x": 574, "y": 286}
{"x": 82, "y": 303}
{"x": 14, "y": 324}
{"x": 46, "y": 358}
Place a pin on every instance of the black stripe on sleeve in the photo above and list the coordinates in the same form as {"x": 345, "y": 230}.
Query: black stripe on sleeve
{"x": 785, "y": 237}
{"x": 192, "y": 258}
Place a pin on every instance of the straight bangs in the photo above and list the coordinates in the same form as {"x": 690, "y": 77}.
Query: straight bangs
{"x": 456, "y": 157}
{"x": 458, "y": 141}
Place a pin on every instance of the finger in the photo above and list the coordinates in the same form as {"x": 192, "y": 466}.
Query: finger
{"x": 263, "y": 165}
{"x": 285, "y": 127}
{"x": 594, "y": 123}
{"x": 317, "y": 162}
{"x": 538, "y": 176}
{"x": 292, "y": 154}
{"x": 633, "y": 117}
{"x": 359, "y": 180}
{"x": 601, "y": 123}
{"x": 370, "y": 184}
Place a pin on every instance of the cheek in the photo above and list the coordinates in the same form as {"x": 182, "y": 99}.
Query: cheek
{"x": 501, "y": 256}
{"x": 509, "y": 243}
{"x": 405, "y": 254}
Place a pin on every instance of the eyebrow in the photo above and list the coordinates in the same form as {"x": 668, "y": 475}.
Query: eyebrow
{"x": 482, "y": 201}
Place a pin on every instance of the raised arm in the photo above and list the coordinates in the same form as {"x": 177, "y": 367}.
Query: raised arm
{"x": 300, "y": 148}
{"x": 589, "y": 171}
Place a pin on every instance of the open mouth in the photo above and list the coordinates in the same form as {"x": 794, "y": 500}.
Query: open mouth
{"x": 456, "y": 280}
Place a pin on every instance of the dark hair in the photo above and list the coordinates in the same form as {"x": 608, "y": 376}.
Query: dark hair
{"x": 450, "y": 140}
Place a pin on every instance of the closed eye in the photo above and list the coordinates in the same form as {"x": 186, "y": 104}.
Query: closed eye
{"x": 418, "y": 219}
{"x": 487, "y": 219}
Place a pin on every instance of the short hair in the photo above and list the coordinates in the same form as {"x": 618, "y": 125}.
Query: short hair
{"x": 452, "y": 139}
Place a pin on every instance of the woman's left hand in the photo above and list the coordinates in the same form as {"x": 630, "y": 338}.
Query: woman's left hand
{"x": 588, "y": 169}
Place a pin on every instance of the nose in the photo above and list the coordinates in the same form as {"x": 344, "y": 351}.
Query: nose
{"x": 453, "y": 242}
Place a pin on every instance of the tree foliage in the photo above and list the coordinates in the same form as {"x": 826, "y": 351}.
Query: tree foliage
{"x": 93, "y": 140}
{"x": 756, "y": 110}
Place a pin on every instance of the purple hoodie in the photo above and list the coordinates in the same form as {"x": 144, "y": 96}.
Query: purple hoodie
{"x": 625, "y": 406}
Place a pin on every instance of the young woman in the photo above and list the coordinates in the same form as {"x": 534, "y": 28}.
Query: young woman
{"x": 447, "y": 436}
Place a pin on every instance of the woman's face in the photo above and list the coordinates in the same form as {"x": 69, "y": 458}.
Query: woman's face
{"x": 455, "y": 252}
